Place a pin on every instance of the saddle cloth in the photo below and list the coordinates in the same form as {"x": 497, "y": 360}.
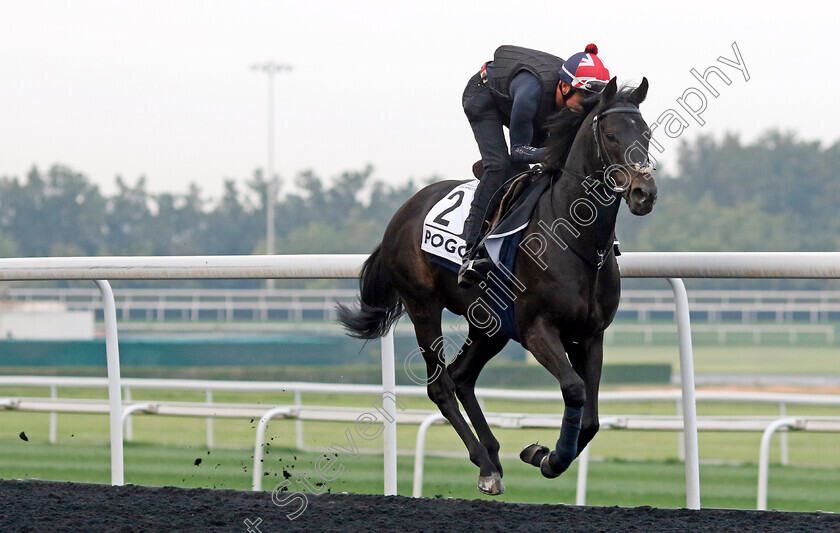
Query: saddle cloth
{"x": 443, "y": 226}
{"x": 443, "y": 231}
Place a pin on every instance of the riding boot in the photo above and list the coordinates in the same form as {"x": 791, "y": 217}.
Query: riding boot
{"x": 476, "y": 261}
{"x": 475, "y": 269}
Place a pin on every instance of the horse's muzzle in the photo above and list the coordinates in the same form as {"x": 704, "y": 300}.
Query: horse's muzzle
{"x": 642, "y": 196}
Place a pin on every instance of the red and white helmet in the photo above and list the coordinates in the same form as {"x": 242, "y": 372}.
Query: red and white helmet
{"x": 585, "y": 71}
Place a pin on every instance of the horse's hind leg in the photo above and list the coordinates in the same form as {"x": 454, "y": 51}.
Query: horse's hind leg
{"x": 441, "y": 390}
{"x": 464, "y": 371}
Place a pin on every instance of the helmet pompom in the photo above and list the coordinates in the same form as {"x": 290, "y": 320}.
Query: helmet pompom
{"x": 591, "y": 49}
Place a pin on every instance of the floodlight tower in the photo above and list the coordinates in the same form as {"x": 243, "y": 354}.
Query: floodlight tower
{"x": 271, "y": 68}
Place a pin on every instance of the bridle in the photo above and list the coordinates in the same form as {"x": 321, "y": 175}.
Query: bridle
{"x": 645, "y": 168}
{"x": 606, "y": 164}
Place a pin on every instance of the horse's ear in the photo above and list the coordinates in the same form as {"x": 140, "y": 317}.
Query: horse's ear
{"x": 610, "y": 90}
{"x": 639, "y": 93}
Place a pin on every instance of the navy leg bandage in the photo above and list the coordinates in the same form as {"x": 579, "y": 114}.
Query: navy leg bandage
{"x": 566, "y": 450}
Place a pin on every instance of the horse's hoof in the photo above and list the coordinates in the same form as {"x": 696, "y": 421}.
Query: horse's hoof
{"x": 491, "y": 484}
{"x": 547, "y": 471}
{"x": 533, "y": 454}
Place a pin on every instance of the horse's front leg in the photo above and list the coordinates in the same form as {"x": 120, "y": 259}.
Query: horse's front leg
{"x": 543, "y": 341}
{"x": 587, "y": 358}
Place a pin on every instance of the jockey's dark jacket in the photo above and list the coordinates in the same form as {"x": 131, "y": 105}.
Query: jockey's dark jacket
{"x": 523, "y": 83}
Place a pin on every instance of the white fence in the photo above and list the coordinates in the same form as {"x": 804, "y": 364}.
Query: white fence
{"x": 671, "y": 266}
{"x": 298, "y": 304}
{"x": 424, "y": 418}
{"x": 650, "y": 333}
{"x": 197, "y": 304}
{"x": 746, "y": 305}
{"x": 766, "y": 425}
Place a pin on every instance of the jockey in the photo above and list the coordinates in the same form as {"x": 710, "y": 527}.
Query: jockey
{"x": 519, "y": 89}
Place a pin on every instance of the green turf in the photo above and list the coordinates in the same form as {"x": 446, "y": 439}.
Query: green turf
{"x": 780, "y": 359}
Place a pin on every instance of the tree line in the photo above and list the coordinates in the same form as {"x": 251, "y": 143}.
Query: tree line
{"x": 61, "y": 213}
{"x": 777, "y": 193}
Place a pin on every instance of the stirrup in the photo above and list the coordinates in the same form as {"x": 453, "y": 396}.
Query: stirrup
{"x": 474, "y": 269}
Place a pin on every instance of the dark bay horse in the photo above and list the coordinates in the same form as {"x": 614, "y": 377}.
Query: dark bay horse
{"x": 565, "y": 279}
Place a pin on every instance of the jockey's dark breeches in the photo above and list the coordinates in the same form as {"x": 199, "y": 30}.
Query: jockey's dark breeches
{"x": 488, "y": 127}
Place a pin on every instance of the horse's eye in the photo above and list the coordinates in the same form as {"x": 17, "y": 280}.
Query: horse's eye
{"x": 610, "y": 137}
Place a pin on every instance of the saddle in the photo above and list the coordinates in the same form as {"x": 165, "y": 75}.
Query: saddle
{"x": 513, "y": 192}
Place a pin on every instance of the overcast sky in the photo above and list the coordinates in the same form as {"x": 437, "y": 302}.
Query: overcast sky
{"x": 164, "y": 89}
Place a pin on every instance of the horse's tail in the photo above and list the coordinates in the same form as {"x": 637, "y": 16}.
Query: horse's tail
{"x": 379, "y": 304}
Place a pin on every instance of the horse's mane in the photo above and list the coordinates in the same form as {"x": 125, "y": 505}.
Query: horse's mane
{"x": 562, "y": 127}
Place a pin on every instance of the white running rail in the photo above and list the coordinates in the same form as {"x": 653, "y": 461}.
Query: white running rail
{"x": 671, "y": 266}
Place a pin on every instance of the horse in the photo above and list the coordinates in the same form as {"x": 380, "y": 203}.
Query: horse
{"x": 565, "y": 271}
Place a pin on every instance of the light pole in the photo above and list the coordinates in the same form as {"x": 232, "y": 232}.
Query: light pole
{"x": 271, "y": 68}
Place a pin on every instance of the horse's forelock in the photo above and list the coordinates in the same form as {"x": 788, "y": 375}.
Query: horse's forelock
{"x": 563, "y": 126}
{"x": 621, "y": 97}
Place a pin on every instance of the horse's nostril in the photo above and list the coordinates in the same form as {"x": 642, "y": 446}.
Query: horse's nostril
{"x": 639, "y": 195}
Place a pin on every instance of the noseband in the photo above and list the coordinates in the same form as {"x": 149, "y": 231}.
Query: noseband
{"x": 645, "y": 168}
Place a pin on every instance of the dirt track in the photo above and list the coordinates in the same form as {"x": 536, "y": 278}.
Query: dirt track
{"x": 39, "y": 506}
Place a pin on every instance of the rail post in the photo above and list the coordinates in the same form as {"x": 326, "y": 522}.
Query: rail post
{"x": 389, "y": 388}
{"x": 764, "y": 459}
{"x": 209, "y": 424}
{"x": 53, "y": 416}
{"x": 257, "y": 470}
{"x": 298, "y": 422}
{"x": 692, "y": 452}
{"x": 112, "y": 356}
{"x": 783, "y": 437}
{"x": 129, "y": 425}
{"x": 420, "y": 453}
{"x": 583, "y": 474}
